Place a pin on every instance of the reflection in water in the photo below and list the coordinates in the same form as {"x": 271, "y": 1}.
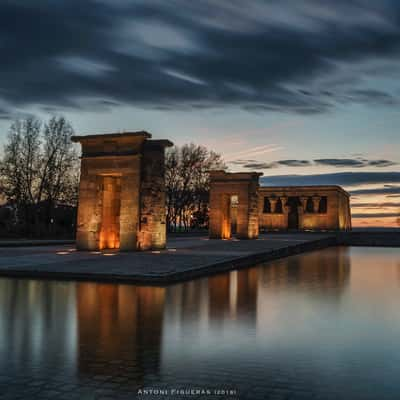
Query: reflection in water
{"x": 316, "y": 323}
{"x": 37, "y": 324}
{"x": 119, "y": 324}
{"x": 325, "y": 271}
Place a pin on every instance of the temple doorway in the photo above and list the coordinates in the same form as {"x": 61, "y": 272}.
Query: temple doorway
{"x": 234, "y": 210}
{"x": 229, "y": 209}
{"x": 111, "y": 205}
{"x": 293, "y": 216}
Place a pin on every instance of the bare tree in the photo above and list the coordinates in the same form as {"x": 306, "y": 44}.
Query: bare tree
{"x": 20, "y": 165}
{"x": 39, "y": 170}
{"x": 59, "y": 168}
{"x": 187, "y": 183}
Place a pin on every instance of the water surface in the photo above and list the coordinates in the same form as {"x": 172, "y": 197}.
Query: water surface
{"x": 323, "y": 325}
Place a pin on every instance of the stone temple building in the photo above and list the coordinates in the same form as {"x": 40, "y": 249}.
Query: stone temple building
{"x": 304, "y": 208}
{"x": 122, "y": 198}
{"x": 121, "y": 192}
{"x": 238, "y": 205}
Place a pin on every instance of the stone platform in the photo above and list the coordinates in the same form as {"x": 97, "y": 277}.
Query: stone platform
{"x": 186, "y": 257}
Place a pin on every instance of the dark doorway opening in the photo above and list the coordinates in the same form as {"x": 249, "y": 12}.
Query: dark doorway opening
{"x": 234, "y": 202}
{"x": 293, "y": 217}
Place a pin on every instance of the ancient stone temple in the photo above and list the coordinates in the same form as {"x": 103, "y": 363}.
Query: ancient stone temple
{"x": 238, "y": 205}
{"x": 241, "y": 189}
{"x": 304, "y": 208}
{"x": 121, "y": 192}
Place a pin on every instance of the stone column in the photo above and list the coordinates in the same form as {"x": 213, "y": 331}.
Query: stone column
{"x": 215, "y": 215}
{"x": 303, "y": 200}
{"x": 129, "y": 213}
{"x": 242, "y": 230}
{"x": 316, "y": 200}
{"x": 285, "y": 209}
{"x": 273, "y": 201}
{"x": 253, "y": 228}
{"x": 89, "y": 210}
{"x": 152, "y": 198}
{"x": 300, "y": 212}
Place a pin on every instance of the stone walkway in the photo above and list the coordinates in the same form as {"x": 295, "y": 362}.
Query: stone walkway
{"x": 185, "y": 258}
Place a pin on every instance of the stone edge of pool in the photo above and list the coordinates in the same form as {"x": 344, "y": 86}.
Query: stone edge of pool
{"x": 368, "y": 239}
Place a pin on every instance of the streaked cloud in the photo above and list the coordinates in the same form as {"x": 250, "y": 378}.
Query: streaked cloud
{"x": 252, "y": 152}
{"x": 382, "y": 190}
{"x": 329, "y": 162}
{"x": 182, "y": 55}
{"x": 376, "y": 205}
{"x": 375, "y": 215}
{"x": 353, "y": 162}
{"x": 340, "y": 178}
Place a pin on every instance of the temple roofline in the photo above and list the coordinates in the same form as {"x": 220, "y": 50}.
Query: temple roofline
{"x": 304, "y": 188}
{"x": 144, "y": 134}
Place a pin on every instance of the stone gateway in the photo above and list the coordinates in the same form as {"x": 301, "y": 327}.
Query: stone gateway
{"x": 121, "y": 192}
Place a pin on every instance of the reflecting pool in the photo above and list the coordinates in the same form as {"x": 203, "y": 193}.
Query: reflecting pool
{"x": 323, "y": 325}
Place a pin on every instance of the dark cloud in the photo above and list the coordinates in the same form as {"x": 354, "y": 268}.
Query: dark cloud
{"x": 381, "y": 163}
{"x": 335, "y": 162}
{"x": 340, "y": 162}
{"x": 370, "y": 96}
{"x": 242, "y": 162}
{"x": 176, "y": 54}
{"x": 341, "y": 178}
{"x": 375, "y": 215}
{"x": 294, "y": 163}
{"x": 375, "y": 205}
{"x": 354, "y": 162}
{"x": 260, "y": 165}
{"x": 384, "y": 190}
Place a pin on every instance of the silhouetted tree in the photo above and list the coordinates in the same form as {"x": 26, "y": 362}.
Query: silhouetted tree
{"x": 38, "y": 171}
{"x": 187, "y": 185}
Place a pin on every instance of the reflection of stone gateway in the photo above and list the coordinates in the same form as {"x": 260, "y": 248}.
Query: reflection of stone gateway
{"x": 273, "y": 208}
{"x": 121, "y": 192}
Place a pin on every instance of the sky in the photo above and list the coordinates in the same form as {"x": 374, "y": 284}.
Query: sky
{"x": 305, "y": 91}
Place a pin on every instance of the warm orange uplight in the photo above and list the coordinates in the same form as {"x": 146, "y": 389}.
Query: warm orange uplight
{"x": 109, "y": 233}
{"x": 109, "y": 254}
{"x": 62, "y": 253}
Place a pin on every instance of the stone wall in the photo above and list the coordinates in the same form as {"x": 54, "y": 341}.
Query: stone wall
{"x": 152, "y": 232}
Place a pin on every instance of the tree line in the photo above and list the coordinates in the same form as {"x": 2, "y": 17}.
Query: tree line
{"x": 187, "y": 185}
{"x": 39, "y": 180}
{"x": 39, "y": 173}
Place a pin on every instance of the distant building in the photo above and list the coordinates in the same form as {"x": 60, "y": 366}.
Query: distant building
{"x": 239, "y": 205}
{"x": 304, "y": 208}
